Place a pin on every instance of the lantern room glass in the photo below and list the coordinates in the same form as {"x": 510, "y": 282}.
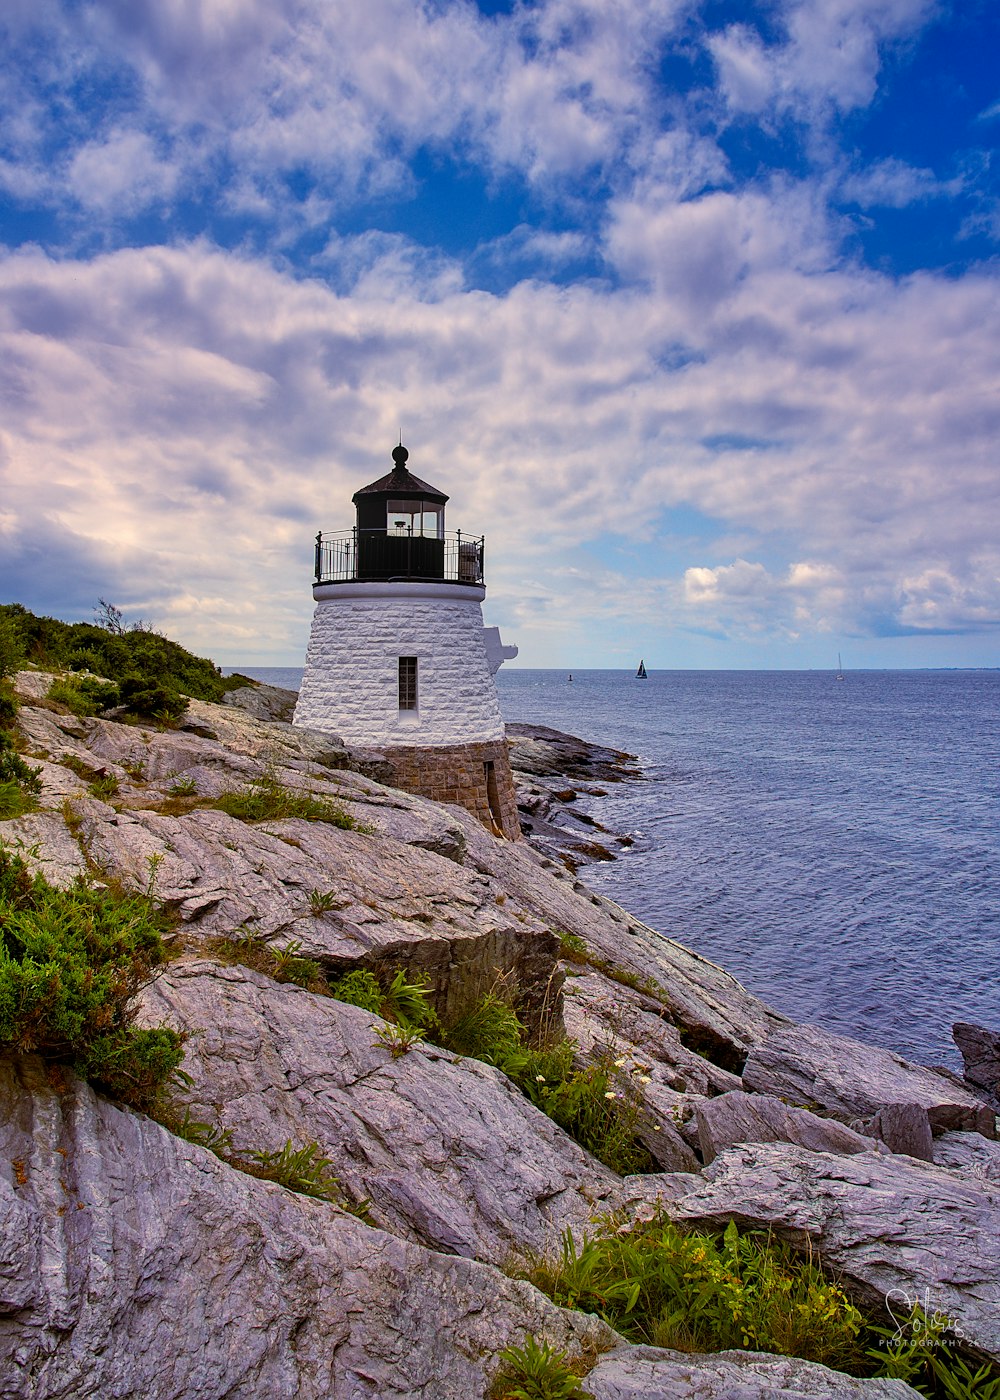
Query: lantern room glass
{"x": 415, "y": 518}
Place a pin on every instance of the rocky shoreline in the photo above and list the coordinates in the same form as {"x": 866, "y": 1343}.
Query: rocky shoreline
{"x": 136, "y": 1263}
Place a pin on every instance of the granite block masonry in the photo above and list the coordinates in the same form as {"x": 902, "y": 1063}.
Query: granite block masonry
{"x": 398, "y": 656}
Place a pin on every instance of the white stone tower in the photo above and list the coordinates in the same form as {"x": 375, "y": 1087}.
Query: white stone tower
{"x": 399, "y": 659}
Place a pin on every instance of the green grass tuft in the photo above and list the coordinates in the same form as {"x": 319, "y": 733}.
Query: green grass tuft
{"x": 269, "y": 800}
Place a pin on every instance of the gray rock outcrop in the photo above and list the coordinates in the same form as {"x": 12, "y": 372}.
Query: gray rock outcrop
{"x": 133, "y": 1263}
{"x": 852, "y": 1080}
{"x": 645, "y": 1373}
{"x": 449, "y": 1153}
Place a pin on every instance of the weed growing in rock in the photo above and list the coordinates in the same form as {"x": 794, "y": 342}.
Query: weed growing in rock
{"x": 323, "y": 902}
{"x": 107, "y": 785}
{"x": 490, "y": 1031}
{"x": 663, "y": 1286}
{"x": 290, "y": 966}
{"x": 593, "y": 1104}
{"x": 210, "y": 1135}
{"x": 398, "y": 1040}
{"x": 283, "y": 964}
{"x": 575, "y": 950}
{"x": 668, "y": 1287}
{"x": 302, "y": 1169}
{"x": 408, "y": 1003}
{"x": 536, "y": 1371}
{"x": 269, "y": 800}
{"x": 72, "y": 963}
{"x": 183, "y": 785}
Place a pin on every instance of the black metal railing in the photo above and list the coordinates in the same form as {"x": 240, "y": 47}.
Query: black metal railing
{"x": 378, "y": 555}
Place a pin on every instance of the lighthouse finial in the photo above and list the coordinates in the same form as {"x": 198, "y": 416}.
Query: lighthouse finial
{"x": 399, "y": 455}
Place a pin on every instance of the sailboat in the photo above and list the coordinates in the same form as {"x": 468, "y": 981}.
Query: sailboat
{"x": 640, "y": 675}
{"x": 840, "y": 669}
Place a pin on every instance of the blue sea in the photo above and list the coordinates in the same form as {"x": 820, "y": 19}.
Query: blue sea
{"x": 835, "y": 845}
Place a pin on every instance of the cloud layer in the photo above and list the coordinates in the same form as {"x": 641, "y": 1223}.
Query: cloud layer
{"x": 248, "y": 243}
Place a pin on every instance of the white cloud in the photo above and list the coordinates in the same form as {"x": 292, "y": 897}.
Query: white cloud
{"x": 121, "y": 174}
{"x": 193, "y": 418}
{"x": 893, "y": 184}
{"x": 827, "y": 58}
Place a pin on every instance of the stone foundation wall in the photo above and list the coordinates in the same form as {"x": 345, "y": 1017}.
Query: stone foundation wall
{"x": 459, "y": 773}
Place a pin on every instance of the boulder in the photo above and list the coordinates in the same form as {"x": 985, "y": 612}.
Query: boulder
{"x": 270, "y": 702}
{"x": 449, "y": 1152}
{"x": 888, "y": 1224}
{"x": 980, "y": 1051}
{"x": 737, "y": 1117}
{"x": 133, "y": 1263}
{"x": 905, "y": 1127}
{"x": 648, "y": 1373}
{"x": 850, "y": 1080}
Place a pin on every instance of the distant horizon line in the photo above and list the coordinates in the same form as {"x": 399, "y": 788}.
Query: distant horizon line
{"x": 670, "y": 670}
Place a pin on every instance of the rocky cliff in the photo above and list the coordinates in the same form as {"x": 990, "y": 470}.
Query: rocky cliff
{"x": 134, "y": 1262}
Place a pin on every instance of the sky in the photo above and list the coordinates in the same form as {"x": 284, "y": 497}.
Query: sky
{"x": 692, "y": 308}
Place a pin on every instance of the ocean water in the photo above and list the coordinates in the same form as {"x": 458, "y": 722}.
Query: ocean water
{"x": 834, "y": 845}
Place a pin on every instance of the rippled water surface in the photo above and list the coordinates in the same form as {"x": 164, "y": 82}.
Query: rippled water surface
{"x": 835, "y": 845}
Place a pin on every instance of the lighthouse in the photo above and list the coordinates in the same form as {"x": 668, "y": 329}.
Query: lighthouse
{"x": 399, "y": 659}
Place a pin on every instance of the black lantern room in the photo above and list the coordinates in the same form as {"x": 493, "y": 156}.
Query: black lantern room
{"x": 400, "y": 525}
{"x": 399, "y": 536}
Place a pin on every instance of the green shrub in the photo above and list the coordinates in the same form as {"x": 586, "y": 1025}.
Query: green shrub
{"x": 596, "y": 1107}
{"x": 84, "y": 695}
{"x": 663, "y": 1286}
{"x": 151, "y": 699}
{"x": 105, "y": 786}
{"x": 9, "y": 706}
{"x": 14, "y": 800}
{"x": 269, "y": 800}
{"x": 71, "y": 965}
{"x": 11, "y": 646}
{"x": 19, "y": 783}
{"x": 536, "y": 1371}
{"x": 108, "y": 648}
{"x": 359, "y": 988}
